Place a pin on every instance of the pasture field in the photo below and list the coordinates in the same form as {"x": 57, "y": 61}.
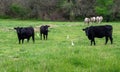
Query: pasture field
{"x": 57, "y": 54}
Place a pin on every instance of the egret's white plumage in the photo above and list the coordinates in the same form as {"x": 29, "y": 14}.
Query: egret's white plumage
{"x": 72, "y": 43}
{"x": 68, "y": 37}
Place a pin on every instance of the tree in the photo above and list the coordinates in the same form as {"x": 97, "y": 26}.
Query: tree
{"x": 103, "y": 7}
{"x": 69, "y": 9}
{"x": 116, "y": 10}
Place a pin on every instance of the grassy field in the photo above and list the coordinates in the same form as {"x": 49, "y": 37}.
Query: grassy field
{"x": 57, "y": 54}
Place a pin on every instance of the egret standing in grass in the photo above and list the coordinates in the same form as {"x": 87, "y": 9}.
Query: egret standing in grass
{"x": 67, "y": 36}
{"x": 72, "y": 43}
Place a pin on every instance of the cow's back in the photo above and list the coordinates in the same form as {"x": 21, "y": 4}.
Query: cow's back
{"x": 100, "y": 31}
{"x": 27, "y": 32}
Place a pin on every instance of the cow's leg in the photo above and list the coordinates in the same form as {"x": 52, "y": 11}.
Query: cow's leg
{"x": 94, "y": 41}
{"x": 99, "y": 21}
{"x": 22, "y": 41}
{"x": 19, "y": 41}
{"x": 91, "y": 42}
{"x": 41, "y": 36}
{"x": 88, "y": 23}
{"x": 33, "y": 38}
{"x": 111, "y": 39}
{"x": 106, "y": 40}
{"x": 28, "y": 39}
{"x": 44, "y": 37}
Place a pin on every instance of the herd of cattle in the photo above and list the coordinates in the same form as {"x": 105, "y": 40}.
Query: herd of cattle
{"x": 27, "y": 32}
{"x": 91, "y": 32}
{"x": 98, "y": 31}
{"x": 97, "y": 19}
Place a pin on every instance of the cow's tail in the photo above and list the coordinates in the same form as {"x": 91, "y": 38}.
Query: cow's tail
{"x": 111, "y": 29}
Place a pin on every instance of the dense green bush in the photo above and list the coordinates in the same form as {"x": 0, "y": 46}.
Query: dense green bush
{"x": 5, "y": 17}
{"x": 103, "y": 7}
{"x": 18, "y": 10}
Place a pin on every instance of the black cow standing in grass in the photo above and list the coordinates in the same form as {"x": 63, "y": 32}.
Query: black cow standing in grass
{"x": 25, "y": 33}
{"x": 99, "y": 32}
{"x": 44, "y": 31}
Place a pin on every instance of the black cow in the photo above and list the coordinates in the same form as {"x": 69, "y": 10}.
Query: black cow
{"x": 44, "y": 31}
{"x": 99, "y": 32}
{"x": 25, "y": 33}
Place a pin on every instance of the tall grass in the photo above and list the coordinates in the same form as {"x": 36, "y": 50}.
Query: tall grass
{"x": 57, "y": 54}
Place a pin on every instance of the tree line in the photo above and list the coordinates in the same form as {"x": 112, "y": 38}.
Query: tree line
{"x": 63, "y": 10}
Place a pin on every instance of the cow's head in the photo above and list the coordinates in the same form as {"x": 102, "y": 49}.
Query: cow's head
{"x": 46, "y": 27}
{"x": 86, "y": 30}
{"x": 18, "y": 29}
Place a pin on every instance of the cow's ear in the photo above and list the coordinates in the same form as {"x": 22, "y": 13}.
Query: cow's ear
{"x": 83, "y": 29}
{"x": 15, "y": 28}
{"x": 48, "y": 25}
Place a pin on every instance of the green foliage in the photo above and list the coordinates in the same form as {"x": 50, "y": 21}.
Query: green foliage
{"x": 101, "y": 11}
{"x": 18, "y": 10}
{"x": 5, "y": 17}
{"x": 103, "y": 7}
{"x": 67, "y": 6}
{"x": 69, "y": 9}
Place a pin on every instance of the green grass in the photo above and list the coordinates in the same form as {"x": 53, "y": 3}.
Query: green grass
{"x": 57, "y": 54}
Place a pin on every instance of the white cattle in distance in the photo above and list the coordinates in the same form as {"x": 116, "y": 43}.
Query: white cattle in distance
{"x": 87, "y": 20}
{"x": 99, "y": 19}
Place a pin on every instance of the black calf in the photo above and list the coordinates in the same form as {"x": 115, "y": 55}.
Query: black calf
{"x": 44, "y": 31}
{"x": 25, "y": 33}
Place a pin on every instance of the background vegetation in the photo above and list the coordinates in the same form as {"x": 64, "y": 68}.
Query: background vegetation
{"x": 61, "y": 10}
{"x": 57, "y": 54}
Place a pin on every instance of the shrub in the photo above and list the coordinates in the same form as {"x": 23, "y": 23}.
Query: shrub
{"x": 18, "y": 10}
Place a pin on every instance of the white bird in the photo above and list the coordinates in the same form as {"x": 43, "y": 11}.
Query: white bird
{"x": 67, "y": 36}
{"x": 72, "y": 43}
